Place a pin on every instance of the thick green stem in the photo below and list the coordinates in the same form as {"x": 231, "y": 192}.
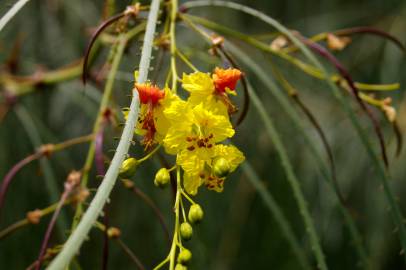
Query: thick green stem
{"x": 11, "y": 13}
{"x": 73, "y": 244}
{"x": 108, "y": 90}
{"x": 174, "y": 11}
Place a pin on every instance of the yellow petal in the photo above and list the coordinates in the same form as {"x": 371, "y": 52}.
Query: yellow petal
{"x": 218, "y": 125}
{"x": 231, "y": 153}
{"x": 198, "y": 83}
{"x": 191, "y": 183}
{"x": 190, "y": 162}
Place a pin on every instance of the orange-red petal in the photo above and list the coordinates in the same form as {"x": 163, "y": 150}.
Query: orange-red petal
{"x": 226, "y": 78}
{"x": 149, "y": 93}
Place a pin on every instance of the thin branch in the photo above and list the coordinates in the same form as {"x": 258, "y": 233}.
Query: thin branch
{"x": 99, "y": 30}
{"x": 10, "y": 175}
{"x": 346, "y": 75}
{"x": 130, "y": 186}
{"x": 371, "y": 31}
{"x": 45, "y": 150}
{"x": 399, "y": 138}
{"x": 71, "y": 182}
{"x": 130, "y": 254}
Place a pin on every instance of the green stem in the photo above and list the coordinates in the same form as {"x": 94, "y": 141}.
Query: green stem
{"x": 73, "y": 244}
{"x": 11, "y": 13}
{"x": 293, "y": 181}
{"x": 276, "y": 211}
{"x": 150, "y": 154}
{"x": 174, "y": 12}
{"x": 118, "y": 52}
{"x": 172, "y": 253}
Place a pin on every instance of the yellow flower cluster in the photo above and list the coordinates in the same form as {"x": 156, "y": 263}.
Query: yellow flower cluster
{"x": 193, "y": 129}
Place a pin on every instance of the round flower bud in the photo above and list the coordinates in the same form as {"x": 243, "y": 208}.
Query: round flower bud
{"x": 128, "y": 168}
{"x": 180, "y": 267}
{"x": 162, "y": 178}
{"x": 195, "y": 214}
{"x": 184, "y": 256}
{"x": 113, "y": 232}
{"x": 221, "y": 167}
{"x": 186, "y": 231}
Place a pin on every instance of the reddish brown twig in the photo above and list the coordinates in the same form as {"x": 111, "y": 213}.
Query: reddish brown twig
{"x": 71, "y": 182}
{"x": 130, "y": 254}
{"x": 130, "y": 11}
{"x": 44, "y": 150}
{"x": 130, "y": 186}
{"x": 246, "y": 102}
{"x": 371, "y": 31}
{"x": 399, "y": 138}
{"x": 98, "y": 31}
{"x": 14, "y": 170}
{"x": 346, "y": 75}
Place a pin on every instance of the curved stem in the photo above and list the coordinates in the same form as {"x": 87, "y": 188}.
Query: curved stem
{"x": 130, "y": 254}
{"x": 93, "y": 39}
{"x": 10, "y": 175}
{"x": 73, "y": 244}
{"x": 69, "y": 186}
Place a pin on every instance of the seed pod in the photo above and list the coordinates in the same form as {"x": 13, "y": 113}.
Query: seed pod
{"x": 186, "y": 231}
{"x": 184, "y": 256}
{"x": 195, "y": 214}
{"x": 162, "y": 178}
{"x": 128, "y": 168}
{"x": 221, "y": 167}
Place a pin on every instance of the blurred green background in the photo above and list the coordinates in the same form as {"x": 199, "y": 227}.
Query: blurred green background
{"x": 238, "y": 231}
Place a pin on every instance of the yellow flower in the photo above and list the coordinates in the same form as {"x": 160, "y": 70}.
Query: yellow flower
{"x": 212, "y": 91}
{"x": 152, "y": 123}
{"x": 199, "y": 171}
{"x": 194, "y": 129}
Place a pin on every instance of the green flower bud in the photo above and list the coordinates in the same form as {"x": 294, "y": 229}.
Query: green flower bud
{"x": 195, "y": 214}
{"x": 221, "y": 167}
{"x": 186, "y": 231}
{"x": 128, "y": 168}
{"x": 184, "y": 256}
{"x": 162, "y": 178}
{"x": 180, "y": 267}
